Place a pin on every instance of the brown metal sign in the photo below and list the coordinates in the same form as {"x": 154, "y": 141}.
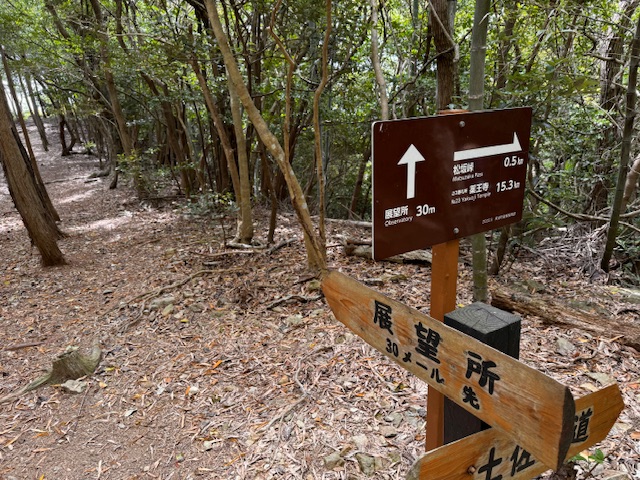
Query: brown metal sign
{"x": 445, "y": 177}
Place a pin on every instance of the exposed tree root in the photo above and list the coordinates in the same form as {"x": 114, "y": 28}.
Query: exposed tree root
{"x": 70, "y": 365}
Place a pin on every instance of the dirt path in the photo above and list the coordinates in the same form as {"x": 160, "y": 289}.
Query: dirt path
{"x": 203, "y": 375}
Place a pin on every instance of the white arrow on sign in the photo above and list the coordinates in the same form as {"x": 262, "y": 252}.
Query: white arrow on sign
{"x": 410, "y": 158}
{"x": 488, "y": 151}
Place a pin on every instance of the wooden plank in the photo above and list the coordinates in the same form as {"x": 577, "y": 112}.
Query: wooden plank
{"x": 528, "y": 406}
{"x": 491, "y": 454}
{"x": 444, "y": 276}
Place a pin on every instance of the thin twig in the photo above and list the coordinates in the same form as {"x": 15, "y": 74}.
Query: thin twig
{"x": 20, "y": 346}
{"x": 300, "y": 298}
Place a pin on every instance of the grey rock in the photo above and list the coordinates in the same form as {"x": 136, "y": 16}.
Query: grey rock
{"x": 158, "y": 303}
{"x": 367, "y": 463}
{"x": 615, "y": 475}
{"x": 394, "y": 418}
{"x": 360, "y": 441}
{"x": 564, "y": 346}
{"x": 333, "y": 460}
{"x": 388, "y": 431}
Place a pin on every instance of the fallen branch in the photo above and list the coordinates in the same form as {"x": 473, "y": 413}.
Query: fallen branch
{"x": 20, "y": 346}
{"x": 280, "y": 245}
{"x": 579, "y": 216}
{"x": 288, "y": 298}
{"x": 555, "y": 313}
{"x": 362, "y": 248}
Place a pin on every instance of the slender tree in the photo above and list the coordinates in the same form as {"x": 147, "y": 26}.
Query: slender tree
{"x": 476, "y": 102}
{"x": 315, "y": 252}
{"x": 632, "y": 96}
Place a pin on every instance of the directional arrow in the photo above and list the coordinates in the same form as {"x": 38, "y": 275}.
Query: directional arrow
{"x": 491, "y": 454}
{"x": 410, "y": 158}
{"x": 488, "y": 151}
{"x": 526, "y": 405}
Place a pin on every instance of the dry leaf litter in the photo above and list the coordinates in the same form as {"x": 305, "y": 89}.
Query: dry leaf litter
{"x": 228, "y": 364}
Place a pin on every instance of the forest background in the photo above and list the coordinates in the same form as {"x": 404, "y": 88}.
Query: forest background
{"x": 143, "y": 85}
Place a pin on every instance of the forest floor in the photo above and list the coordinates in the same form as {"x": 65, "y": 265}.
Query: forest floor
{"x": 228, "y": 364}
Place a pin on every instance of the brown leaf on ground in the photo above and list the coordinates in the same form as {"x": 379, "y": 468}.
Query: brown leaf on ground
{"x": 247, "y": 376}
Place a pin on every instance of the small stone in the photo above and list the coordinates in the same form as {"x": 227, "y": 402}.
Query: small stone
{"x": 601, "y": 378}
{"x": 360, "y": 441}
{"x": 399, "y": 277}
{"x": 168, "y": 310}
{"x": 293, "y": 320}
{"x": 192, "y": 391}
{"x": 615, "y": 475}
{"x": 395, "y": 457}
{"x": 387, "y": 431}
{"x": 394, "y": 418}
{"x": 314, "y": 285}
{"x": 74, "y": 386}
{"x": 197, "y": 307}
{"x": 158, "y": 303}
{"x": 564, "y": 346}
{"x": 333, "y": 460}
{"x": 366, "y": 462}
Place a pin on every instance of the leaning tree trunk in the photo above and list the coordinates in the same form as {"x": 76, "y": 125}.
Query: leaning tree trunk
{"x": 27, "y": 140}
{"x": 612, "y": 232}
{"x": 315, "y": 252}
{"x": 28, "y": 200}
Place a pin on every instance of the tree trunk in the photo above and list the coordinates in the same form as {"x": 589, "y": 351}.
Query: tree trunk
{"x": 35, "y": 113}
{"x": 315, "y": 254}
{"x": 631, "y": 184}
{"x": 357, "y": 189}
{"x": 611, "y": 53}
{"x": 24, "y": 191}
{"x": 32, "y": 158}
{"x": 114, "y": 101}
{"x": 612, "y": 232}
{"x": 243, "y": 197}
{"x": 441, "y": 20}
{"x": 375, "y": 61}
{"x": 504, "y": 48}
{"x": 218, "y": 123}
{"x": 16, "y": 101}
{"x": 320, "y": 166}
{"x": 476, "y": 102}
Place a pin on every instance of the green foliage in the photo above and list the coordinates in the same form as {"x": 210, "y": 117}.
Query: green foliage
{"x": 544, "y": 55}
{"x": 597, "y": 457}
{"x": 213, "y": 205}
{"x": 590, "y": 462}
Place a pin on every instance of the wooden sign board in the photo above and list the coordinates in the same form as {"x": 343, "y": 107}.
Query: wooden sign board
{"x": 490, "y": 454}
{"x": 446, "y": 177}
{"x": 533, "y": 409}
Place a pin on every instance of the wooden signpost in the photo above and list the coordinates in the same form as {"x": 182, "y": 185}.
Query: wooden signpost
{"x": 537, "y": 424}
{"x": 473, "y": 181}
{"x": 490, "y": 454}
{"x": 533, "y": 409}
